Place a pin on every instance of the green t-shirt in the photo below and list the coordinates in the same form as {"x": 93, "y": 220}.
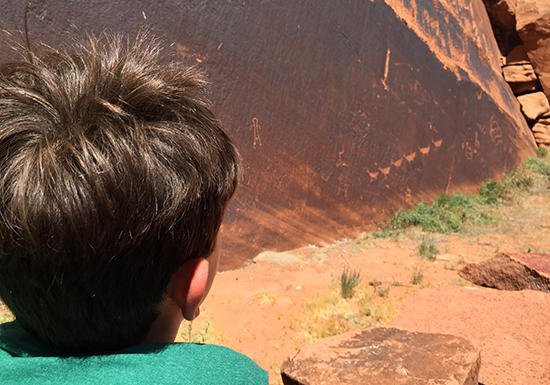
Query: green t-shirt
{"x": 24, "y": 360}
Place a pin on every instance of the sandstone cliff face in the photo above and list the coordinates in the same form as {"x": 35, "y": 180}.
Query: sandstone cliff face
{"x": 342, "y": 111}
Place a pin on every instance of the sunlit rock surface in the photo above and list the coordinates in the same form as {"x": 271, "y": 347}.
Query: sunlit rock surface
{"x": 384, "y": 356}
{"x": 510, "y": 327}
{"x": 343, "y": 112}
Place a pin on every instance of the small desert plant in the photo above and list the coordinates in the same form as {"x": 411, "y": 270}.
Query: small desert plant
{"x": 418, "y": 276}
{"x": 349, "y": 281}
{"x": 196, "y": 337}
{"x": 382, "y": 292}
{"x": 531, "y": 177}
{"x": 427, "y": 249}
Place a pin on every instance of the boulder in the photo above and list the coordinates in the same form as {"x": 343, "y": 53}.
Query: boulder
{"x": 521, "y": 73}
{"x": 541, "y": 131}
{"x": 525, "y": 87}
{"x": 517, "y": 56}
{"x": 384, "y": 356}
{"x": 534, "y": 105}
{"x": 511, "y": 271}
{"x": 503, "y": 12}
{"x": 510, "y": 327}
{"x": 342, "y": 112}
{"x": 533, "y": 26}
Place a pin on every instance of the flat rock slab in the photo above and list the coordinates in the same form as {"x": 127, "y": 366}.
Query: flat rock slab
{"x": 510, "y": 327}
{"x": 511, "y": 271}
{"x": 384, "y": 356}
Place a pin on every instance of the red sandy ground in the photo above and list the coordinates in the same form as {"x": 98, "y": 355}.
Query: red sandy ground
{"x": 258, "y": 310}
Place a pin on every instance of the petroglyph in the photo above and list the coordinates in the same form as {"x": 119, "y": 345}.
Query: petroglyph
{"x": 398, "y": 163}
{"x": 342, "y": 189}
{"x": 255, "y": 127}
{"x": 373, "y": 175}
{"x": 386, "y": 70}
{"x": 340, "y": 161}
{"x": 408, "y": 196}
{"x": 410, "y": 157}
{"x": 385, "y": 170}
{"x": 468, "y": 150}
{"x": 495, "y": 132}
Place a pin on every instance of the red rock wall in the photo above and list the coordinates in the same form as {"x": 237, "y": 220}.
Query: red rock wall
{"x": 343, "y": 112}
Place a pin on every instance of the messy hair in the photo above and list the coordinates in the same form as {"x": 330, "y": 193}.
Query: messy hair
{"x": 113, "y": 173}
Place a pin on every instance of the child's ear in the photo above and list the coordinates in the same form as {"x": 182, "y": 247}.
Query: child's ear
{"x": 188, "y": 285}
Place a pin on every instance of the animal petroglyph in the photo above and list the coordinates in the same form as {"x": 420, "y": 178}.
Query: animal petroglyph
{"x": 255, "y": 127}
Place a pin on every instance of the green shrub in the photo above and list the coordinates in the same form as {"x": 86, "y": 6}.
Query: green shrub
{"x": 427, "y": 249}
{"x": 349, "y": 281}
{"x": 446, "y": 214}
{"x": 418, "y": 276}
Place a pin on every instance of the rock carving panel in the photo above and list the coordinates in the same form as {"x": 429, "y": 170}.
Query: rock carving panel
{"x": 370, "y": 105}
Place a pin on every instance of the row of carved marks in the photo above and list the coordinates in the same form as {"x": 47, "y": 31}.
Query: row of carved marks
{"x": 384, "y": 171}
{"x": 470, "y": 149}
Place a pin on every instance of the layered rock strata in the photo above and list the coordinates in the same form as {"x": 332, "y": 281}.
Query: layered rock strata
{"x": 522, "y": 29}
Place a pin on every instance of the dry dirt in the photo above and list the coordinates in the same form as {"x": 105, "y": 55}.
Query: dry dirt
{"x": 282, "y": 301}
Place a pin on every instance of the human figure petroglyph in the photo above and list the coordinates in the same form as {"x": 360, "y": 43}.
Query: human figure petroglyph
{"x": 342, "y": 189}
{"x": 468, "y": 150}
{"x": 408, "y": 196}
{"x": 255, "y": 127}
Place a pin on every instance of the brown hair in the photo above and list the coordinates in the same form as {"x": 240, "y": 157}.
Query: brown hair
{"x": 113, "y": 173}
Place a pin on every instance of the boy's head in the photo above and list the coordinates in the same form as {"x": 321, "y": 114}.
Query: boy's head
{"x": 113, "y": 174}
